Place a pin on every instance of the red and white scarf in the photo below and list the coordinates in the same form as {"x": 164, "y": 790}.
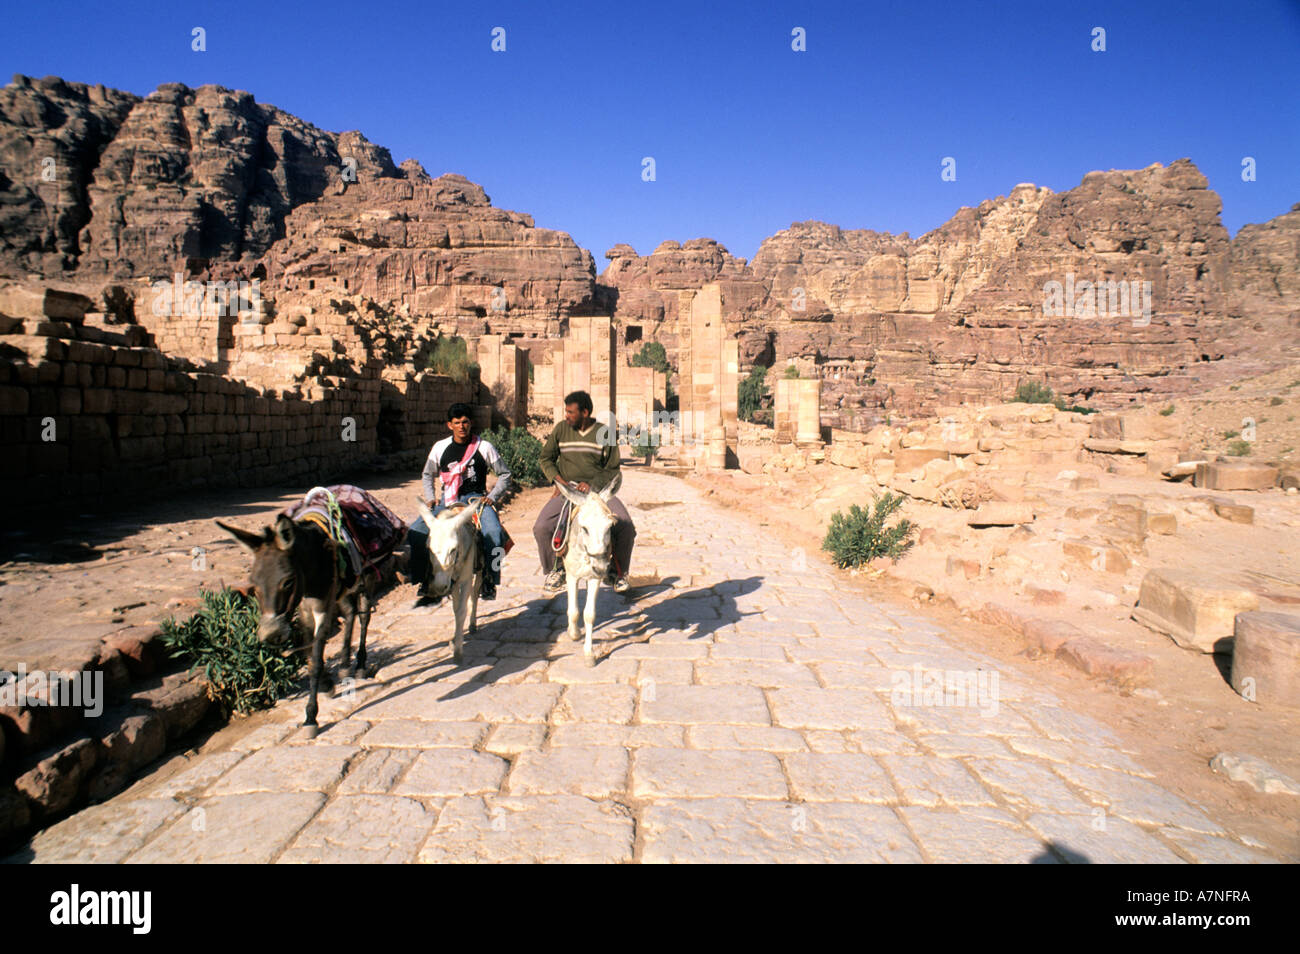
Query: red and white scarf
{"x": 451, "y": 477}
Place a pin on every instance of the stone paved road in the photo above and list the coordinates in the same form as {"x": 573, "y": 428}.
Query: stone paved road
{"x": 746, "y": 708}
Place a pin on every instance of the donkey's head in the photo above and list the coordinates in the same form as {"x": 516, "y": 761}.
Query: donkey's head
{"x": 451, "y": 547}
{"x": 594, "y": 525}
{"x": 277, "y": 581}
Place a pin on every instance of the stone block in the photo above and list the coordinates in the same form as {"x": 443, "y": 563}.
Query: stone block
{"x": 1165, "y": 524}
{"x": 1234, "y": 475}
{"x": 1001, "y": 514}
{"x": 1266, "y": 658}
{"x": 1192, "y": 607}
{"x": 1097, "y": 556}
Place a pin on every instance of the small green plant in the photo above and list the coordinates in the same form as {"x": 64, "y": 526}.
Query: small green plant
{"x": 450, "y": 357}
{"x": 1229, "y": 435}
{"x": 519, "y": 451}
{"x": 861, "y": 535}
{"x": 1234, "y": 387}
{"x": 1166, "y": 411}
{"x": 652, "y": 355}
{"x": 1275, "y": 402}
{"x": 751, "y": 393}
{"x": 1239, "y": 448}
{"x": 243, "y": 673}
{"x": 791, "y": 371}
{"x": 1294, "y": 384}
{"x": 645, "y": 444}
{"x": 1031, "y": 392}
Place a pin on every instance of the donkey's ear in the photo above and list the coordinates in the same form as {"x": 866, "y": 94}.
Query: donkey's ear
{"x": 612, "y": 487}
{"x": 575, "y": 497}
{"x": 426, "y": 514}
{"x": 284, "y": 532}
{"x": 249, "y": 541}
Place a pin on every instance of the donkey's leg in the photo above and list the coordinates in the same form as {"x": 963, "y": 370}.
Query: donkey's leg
{"x": 323, "y": 620}
{"x": 589, "y": 617}
{"x": 459, "y": 595}
{"x": 476, "y": 580}
{"x": 367, "y": 603}
{"x": 571, "y": 581}
{"x": 349, "y": 606}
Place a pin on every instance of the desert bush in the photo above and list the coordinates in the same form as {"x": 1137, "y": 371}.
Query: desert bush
{"x": 861, "y": 535}
{"x": 243, "y": 673}
{"x": 791, "y": 371}
{"x": 1166, "y": 411}
{"x": 520, "y": 451}
{"x": 652, "y": 355}
{"x": 752, "y": 392}
{"x": 1239, "y": 448}
{"x": 450, "y": 357}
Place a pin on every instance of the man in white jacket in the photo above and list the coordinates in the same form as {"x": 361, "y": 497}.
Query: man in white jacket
{"x": 462, "y": 462}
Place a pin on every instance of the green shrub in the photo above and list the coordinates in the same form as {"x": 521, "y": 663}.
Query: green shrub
{"x": 450, "y": 357}
{"x": 861, "y": 535}
{"x": 520, "y": 452}
{"x": 1031, "y": 392}
{"x": 1239, "y": 448}
{"x": 791, "y": 371}
{"x": 1275, "y": 402}
{"x": 243, "y": 673}
{"x": 652, "y": 355}
{"x": 751, "y": 393}
{"x": 646, "y": 444}
{"x": 1166, "y": 411}
{"x": 1229, "y": 435}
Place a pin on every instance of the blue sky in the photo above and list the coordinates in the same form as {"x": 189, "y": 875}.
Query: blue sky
{"x": 747, "y": 135}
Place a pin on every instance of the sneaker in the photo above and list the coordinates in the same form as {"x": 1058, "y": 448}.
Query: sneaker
{"x": 554, "y": 580}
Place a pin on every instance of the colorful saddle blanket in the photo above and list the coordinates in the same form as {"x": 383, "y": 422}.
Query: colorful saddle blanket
{"x": 368, "y": 530}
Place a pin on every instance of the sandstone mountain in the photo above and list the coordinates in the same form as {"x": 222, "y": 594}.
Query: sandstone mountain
{"x": 105, "y": 190}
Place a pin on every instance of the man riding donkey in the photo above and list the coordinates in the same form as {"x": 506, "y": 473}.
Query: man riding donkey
{"x": 576, "y": 454}
{"x": 462, "y": 462}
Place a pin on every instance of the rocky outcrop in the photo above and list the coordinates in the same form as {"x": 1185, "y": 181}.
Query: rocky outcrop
{"x": 1265, "y": 280}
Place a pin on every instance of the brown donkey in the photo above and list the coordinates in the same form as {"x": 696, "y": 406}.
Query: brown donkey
{"x": 295, "y": 565}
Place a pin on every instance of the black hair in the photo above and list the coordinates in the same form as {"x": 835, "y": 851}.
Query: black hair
{"x": 460, "y": 409}
{"x": 580, "y": 398}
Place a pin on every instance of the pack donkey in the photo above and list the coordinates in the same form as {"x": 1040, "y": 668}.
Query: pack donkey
{"x": 297, "y": 566}
{"x": 453, "y": 553}
{"x": 588, "y": 547}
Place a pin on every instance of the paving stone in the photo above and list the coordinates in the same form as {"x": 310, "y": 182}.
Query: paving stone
{"x": 263, "y": 737}
{"x": 1065, "y": 726}
{"x": 762, "y": 738}
{"x": 1077, "y": 753}
{"x": 445, "y": 772}
{"x": 574, "y": 669}
{"x": 749, "y": 649}
{"x": 377, "y": 771}
{"x": 363, "y": 829}
{"x": 738, "y": 705}
{"x": 599, "y": 703}
{"x": 198, "y": 774}
{"x": 435, "y": 703}
{"x": 873, "y": 677}
{"x": 825, "y": 777}
{"x": 762, "y": 673}
{"x": 1212, "y": 850}
{"x": 665, "y": 671}
{"x": 922, "y": 780}
{"x": 975, "y": 836}
{"x": 536, "y": 829}
{"x": 826, "y": 740}
{"x": 662, "y": 650}
{"x": 287, "y": 769}
{"x": 853, "y": 652}
{"x": 1028, "y": 785}
{"x": 962, "y": 720}
{"x": 798, "y": 708}
{"x": 346, "y": 732}
{"x": 682, "y": 773}
{"x": 1137, "y": 799}
{"x": 732, "y": 830}
{"x": 628, "y": 736}
{"x": 232, "y": 829}
{"x": 593, "y": 771}
{"x": 965, "y": 746}
{"x": 412, "y": 734}
{"x": 513, "y": 738}
{"x": 875, "y": 742}
{"x": 1078, "y": 839}
{"x": 102, "y": 834}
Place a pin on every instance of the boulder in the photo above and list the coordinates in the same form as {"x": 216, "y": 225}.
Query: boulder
{"x": 54, "y": 783}
{"x": 1235, "y": 475}
{"x": 1001, "y": 514}
{"x": 1165, "y": 524}
{"x": 1195, "y": 609}
{"x": 1097, "y": 556}
{"x": 1255, "y": 772}
{"x": 1266, "y": 658}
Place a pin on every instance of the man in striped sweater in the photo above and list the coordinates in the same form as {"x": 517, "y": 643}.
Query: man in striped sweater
{"x": 574, "y": 453}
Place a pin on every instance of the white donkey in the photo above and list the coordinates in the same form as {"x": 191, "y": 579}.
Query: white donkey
{"x": 453, "y": 548}
{"x": 587, "y": 553}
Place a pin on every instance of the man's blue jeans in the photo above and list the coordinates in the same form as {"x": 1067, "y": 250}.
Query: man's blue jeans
{"x": 491, "y": 538}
